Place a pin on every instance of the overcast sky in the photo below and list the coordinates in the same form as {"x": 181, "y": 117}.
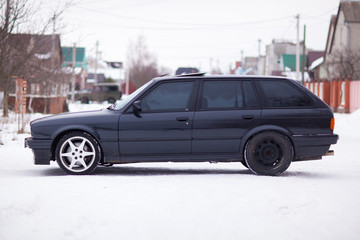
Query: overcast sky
{"x": 192, "y": 32}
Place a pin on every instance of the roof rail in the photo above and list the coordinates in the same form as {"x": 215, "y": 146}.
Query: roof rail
{"x": 199, "y": 74}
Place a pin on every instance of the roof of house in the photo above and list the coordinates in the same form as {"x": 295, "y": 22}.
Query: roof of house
{"x": 41, "y": 44}
{"x": 289, "y": 61}
{"x": 314, "y": 55}
{"x": 351, "y": 11}
{"x": 80, "y": 59}
{"x": 329, "y": 39}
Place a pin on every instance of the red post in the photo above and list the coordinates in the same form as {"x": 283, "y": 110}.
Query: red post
{"x": 347, "y": 94}
{"x": 20, "y": 101}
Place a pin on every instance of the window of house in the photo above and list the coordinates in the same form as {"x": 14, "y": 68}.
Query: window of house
{"x": 283, "y": 94}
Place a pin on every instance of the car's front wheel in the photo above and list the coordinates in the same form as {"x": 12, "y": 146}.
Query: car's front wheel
{"x": 268, "y": 153}
{"x": 111, "y": 100}
{"x": 78, "y": 153}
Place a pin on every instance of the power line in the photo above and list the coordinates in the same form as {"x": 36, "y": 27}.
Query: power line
{"x": 210, "y": 25}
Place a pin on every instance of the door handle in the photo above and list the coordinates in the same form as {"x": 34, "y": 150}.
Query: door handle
{"x": 248, "y": 117}
{"x": 182, "y": 119}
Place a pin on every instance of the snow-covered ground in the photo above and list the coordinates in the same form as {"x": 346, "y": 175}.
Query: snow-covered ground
{"x": 312, "y": 200}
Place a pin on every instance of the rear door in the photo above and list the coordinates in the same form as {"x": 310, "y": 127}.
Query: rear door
{"x": 226, "y": 110}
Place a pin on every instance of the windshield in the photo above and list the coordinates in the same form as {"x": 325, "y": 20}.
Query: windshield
{"x": 124, "y": 102}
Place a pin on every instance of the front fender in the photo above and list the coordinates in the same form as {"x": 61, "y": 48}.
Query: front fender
{"x": 84, "y": 128}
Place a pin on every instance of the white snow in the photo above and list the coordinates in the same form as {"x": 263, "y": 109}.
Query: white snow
{"x": 311, "y": 200}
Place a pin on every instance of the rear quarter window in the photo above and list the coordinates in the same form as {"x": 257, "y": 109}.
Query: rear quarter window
{"x": 283, "y": 94}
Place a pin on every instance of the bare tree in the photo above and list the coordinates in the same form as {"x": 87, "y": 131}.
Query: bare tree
{"x": 343, "y": 63}
{"x": 18, "y": 52}
{"x": 142, "y": 64}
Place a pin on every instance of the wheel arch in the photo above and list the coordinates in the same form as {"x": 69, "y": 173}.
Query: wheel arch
{"x": 265, "y": 128}
{"x": 56, "y": 136}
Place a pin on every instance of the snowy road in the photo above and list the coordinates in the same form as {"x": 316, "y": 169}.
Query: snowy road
{"x": 312, "y": 200}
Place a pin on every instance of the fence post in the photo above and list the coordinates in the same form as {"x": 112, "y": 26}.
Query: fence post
{"x": 326, "y": 92}
{"x": 347, "y": 94}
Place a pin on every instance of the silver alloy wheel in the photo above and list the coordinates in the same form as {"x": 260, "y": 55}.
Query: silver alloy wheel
{"x": 77, "y": 154}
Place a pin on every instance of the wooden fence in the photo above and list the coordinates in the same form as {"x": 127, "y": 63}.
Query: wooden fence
{"x": 342, "y": 95}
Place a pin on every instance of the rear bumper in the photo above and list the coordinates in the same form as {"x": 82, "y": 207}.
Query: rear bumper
{"x": 310, "y": 147}
{"x": 41, "y": 149}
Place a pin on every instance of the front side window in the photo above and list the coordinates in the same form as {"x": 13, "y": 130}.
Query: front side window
{"x": 228, "y": 95}
{"x": 283, "y": 94}
{"x": 169, "y": 96}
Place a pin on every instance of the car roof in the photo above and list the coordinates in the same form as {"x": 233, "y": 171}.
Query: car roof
{"x": 204, "y": 76}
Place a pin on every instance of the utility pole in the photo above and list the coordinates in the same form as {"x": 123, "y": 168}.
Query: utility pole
{"x": 259, "y": 57}
{"x": 127, "y": 81}
{"x": 96, "y": 61}
{"x": 303, "y": 58}
{"x": 259, "y": 48}
{"x": 297, "y": 48}
{"x": 73, "y": 76}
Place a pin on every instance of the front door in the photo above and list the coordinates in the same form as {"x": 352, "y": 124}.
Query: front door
{"x": 163, "y": 126}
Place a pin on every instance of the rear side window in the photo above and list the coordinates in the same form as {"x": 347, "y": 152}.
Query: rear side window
{"x": 228, "y": 95}
{"x": 283, "y": 94}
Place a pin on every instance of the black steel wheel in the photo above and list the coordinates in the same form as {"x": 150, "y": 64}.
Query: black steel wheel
{"x": 269, "y": 153}
{"x": 84, "y": 100}
{"x": 111, "y": 100}
{"x": 78, "y": 153}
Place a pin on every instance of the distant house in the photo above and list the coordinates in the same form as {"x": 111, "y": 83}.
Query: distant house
{"x": 342, "y": 51}
{"x": 274, "y": 53}
{"x": 249, "y": 67}
{"x": 289, "y": 60}
{"x": 47, "y": 86}
{"x": 104, "y": 71}
{"x": 80, "y": 68}
{"x": 80, "y": 57}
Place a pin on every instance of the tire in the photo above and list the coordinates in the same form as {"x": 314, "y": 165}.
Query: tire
{"x": 244, "y": 163}
{"x": 78, "y": 153}
{"x": 268, "y": 153}
{"x": 111, "y": 100}
{"x": 85, "y": 100}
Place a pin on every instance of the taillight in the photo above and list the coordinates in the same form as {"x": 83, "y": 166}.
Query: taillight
{"x": 332, "y": 123}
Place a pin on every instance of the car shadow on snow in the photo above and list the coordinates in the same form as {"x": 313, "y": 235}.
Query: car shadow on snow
{"x": 165, "y": 171}
{"x": 155, "y": 171}
{"x": 150, "y": 171}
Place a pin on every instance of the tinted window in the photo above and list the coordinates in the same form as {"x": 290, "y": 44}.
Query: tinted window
{"x": 250, "y": 100}
{"x": 170, "y": 96}
{"x": 283, "y": 94}
{"x": 228, "y": 95}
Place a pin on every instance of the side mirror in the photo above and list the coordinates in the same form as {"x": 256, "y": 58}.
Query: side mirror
{"x": 136, "y": 106}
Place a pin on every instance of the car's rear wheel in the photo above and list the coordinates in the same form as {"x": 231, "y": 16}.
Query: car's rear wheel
{"x": 78, "y": 153}
{"x": 269, "y": 153}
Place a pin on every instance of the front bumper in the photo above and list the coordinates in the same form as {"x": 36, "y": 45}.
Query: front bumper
{"x": 41, "y": 149}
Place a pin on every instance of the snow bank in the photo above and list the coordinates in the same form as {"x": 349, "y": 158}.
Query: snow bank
{"x": 312, "y": 200}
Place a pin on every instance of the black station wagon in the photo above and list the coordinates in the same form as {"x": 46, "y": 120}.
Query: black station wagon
{"x": 263, "y": 122}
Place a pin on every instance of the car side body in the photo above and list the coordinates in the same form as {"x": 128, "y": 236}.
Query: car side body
{"x": 194, "y": 118}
